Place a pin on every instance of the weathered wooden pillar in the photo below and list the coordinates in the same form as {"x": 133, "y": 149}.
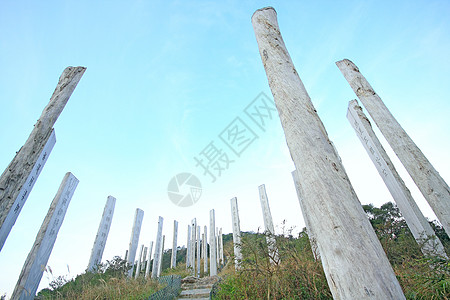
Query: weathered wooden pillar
{"x": 217, "y": 247}
{"x": 212, "y": 244}
{"x": 102, "y": 234}
{"x": 198, "y": 252}
{"x": 309, "y": 229}
{"x": 354, "y": 262}
{"x": 417, "y": 223}
{"x": 37, "y": 259}
{"x": 268, "y": 224}
{"x": 19, "y": 177}
{"x": 149, "y": 260}
{"x": 203, "y": 246}
{"x": 25, "y": 190}
{"x": 188, "y": 248}
{"x": 134, "y": 239}
{"x": 236, "y": 233}
{"x": 158, "y": 247}
{"x": 205, "y": 250}
{"x": 139, "y": 262}
{"x": 126, "y": 255}
{"x": 162, "y": 256}
{"x": 222, "y": 262}
{"x": 173, "y": 260}
{"x": 144, "y": 260}
{"x": 193, "y": 241}
{"x": 430, "y": 183}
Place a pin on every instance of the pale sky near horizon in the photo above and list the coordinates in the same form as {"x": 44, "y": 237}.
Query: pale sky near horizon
{"x": 165, "y": 78}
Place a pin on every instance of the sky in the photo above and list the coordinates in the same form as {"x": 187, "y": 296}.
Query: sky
{"x": 165, "y": 79}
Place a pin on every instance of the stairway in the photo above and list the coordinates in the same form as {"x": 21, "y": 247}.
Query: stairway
{"x": 197, "y": 288}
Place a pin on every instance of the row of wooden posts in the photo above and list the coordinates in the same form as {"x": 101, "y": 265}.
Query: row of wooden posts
{"x": 354, "y": 262}
{"x": 355, "y": 265}
{"x": 196, "y": 248}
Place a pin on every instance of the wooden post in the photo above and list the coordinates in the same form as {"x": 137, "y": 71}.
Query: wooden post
{"x": 419, "y": 226}
{"x": 134, "y": 239}
{"x": 139, "y": 262}
{"x": 162, "y": 256}
{"x": 430, "y": 183}
{"x": 217, "y": 247}
{"x": 158, "y": 248}
{"x": 188, "y": 248}
{"x": 102, "y": 234}
{"x": 212, "y": 244}
{"x": 173, "y": 260}
{"x": 205, "y": 250}
{"x": 203, "y": 246}
{"x": 198, "y": 252}
{"x": 37, "y": 259}
{"x": 193, "y": 240}
{"x": 354, "y": 262}
{"x": 309, "y": 229}
{"x": 19, "y": 177}
{"x": 144, "y": 260}
{"x": 222, "y": 262}
{"x": 149, "y": 260}
{"x": 22, "y": 197}
{"x": 236, "y": 233}
{"x": 268, "y": 224}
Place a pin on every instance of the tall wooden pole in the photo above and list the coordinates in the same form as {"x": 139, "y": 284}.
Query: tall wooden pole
{"x": 149, "y": 260}
{"x": 193, "y": 241}
{"x": 37, "y": 259}
{"x": 144, "y": 260}
{"x": 102, "y": 234}
{"x": 430, "y": 183}
{"x": 354, "y": 262}
{"x": 222, "y": 262}
{"x": 236, "y": 233}
{"x": 419, "y": 226}
{"x": 309, "y": 229}
{"x": 268, "y": 224}
{"x": 212, "y": 244}
{"x": 134, "y": 239}
{"x": 205, "y": 250}
{"x": 188, "y": 247}
{"x": 198, "y": 252}
{"x": 22, "y": 197}
{"x": 173, "y": 260}
{"x": 162, "y": 256}
{"x": 139, "y": 262}
{"x": 19, "y": 177}
{"x": 158, "y": 248}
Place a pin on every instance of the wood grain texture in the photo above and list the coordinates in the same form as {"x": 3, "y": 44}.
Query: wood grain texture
{"x": 416, "y": 221}
{"x": 102, "y": 234}
{"x": 158, "y": 247}
{"x": 430, "y": 183}
{"x": 37, "y": 259}
{"x": 15, "y": 175}
{"x": 212, "y": 244}
{"x": 134, "y": 239}
{"x": 236, "y": 233}
{"x": 354, "y": 262}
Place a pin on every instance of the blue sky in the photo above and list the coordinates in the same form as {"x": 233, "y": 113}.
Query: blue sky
{"x": 165, "y": 78}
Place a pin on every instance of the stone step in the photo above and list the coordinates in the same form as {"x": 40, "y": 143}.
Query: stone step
{"x": 196, "y": 293}
{"x": 196, "y": 286}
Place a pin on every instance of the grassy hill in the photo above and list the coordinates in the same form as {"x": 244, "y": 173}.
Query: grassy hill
{"x": 297, "y": 274}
